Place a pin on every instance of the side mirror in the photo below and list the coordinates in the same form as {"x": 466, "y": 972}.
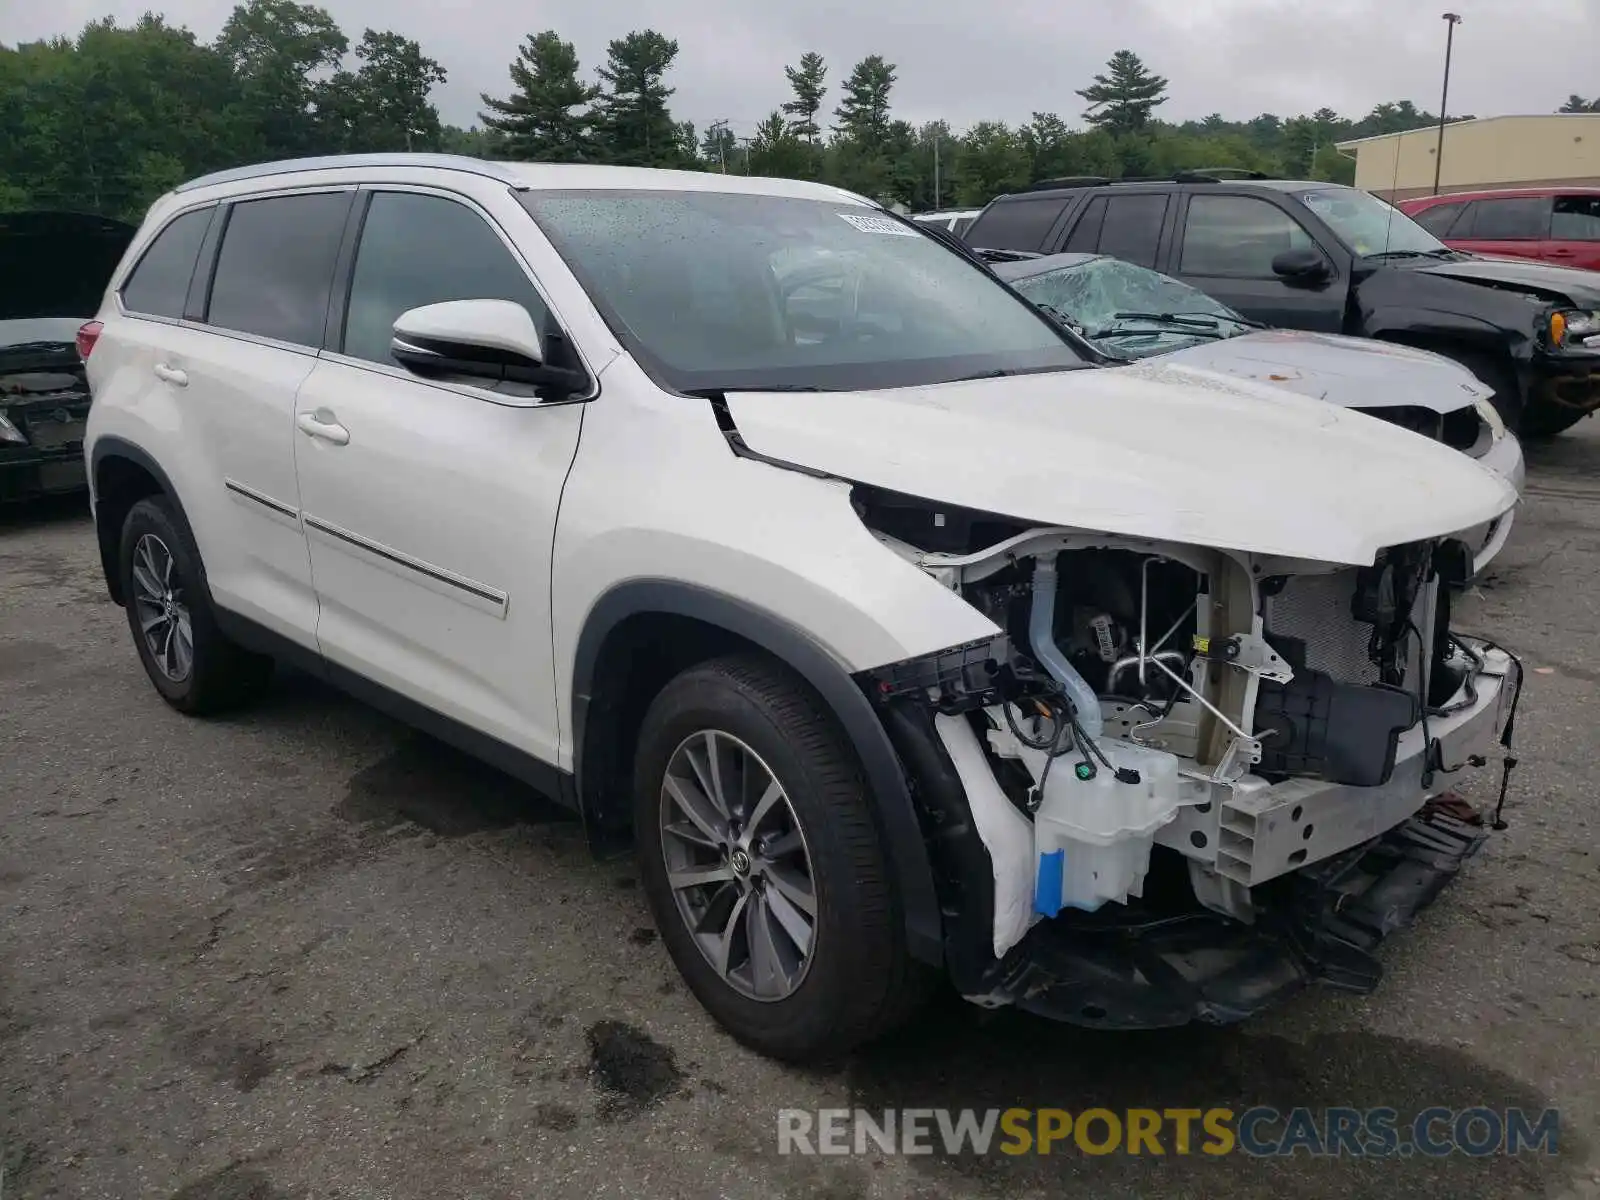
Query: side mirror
{"x": 490, "y": 340}
{"x": 1305, "y": 265}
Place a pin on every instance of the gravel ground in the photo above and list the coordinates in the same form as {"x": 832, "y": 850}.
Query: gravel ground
{"x": 304, "y": 952}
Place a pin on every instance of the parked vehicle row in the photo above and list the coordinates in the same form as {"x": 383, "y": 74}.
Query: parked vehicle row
{"x": 1332, "y": 259}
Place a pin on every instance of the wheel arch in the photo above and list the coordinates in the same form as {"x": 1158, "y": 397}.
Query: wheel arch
{"x": 676, "y": 624}
{"x": 121, "y": 474}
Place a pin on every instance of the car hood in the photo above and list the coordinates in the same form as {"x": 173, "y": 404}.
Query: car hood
{"x": 1150, "y": 450}
{"x": 1352, "y": 372}
{"x": 1580, "y": 288}
{"x": 57, "y": 264}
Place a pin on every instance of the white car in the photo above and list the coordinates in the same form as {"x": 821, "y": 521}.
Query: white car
{"x": 803, "y": 587}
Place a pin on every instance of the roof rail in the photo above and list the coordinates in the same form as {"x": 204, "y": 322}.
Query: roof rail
{"x": 1045, "y": 185}
{"x": 332, "y": 162}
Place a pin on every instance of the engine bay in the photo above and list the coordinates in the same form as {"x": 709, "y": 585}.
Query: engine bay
{"x": 1148, "y": 707}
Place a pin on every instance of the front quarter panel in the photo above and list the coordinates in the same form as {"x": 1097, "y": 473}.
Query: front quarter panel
{"x": 657, "y": 493}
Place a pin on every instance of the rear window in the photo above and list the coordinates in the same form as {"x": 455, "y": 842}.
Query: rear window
{"x": 1016, "y": 224}
{"x": 1576, "y": 219}
{"x": 275, "y": 270}
{"x": 1512, "y": 218}
{"x": 159, "y": 285}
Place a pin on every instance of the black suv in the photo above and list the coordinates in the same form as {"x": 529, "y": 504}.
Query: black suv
{"x": 1323, "y": 256}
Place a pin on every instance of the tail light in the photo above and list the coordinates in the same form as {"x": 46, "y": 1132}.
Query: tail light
{"x": 88, "y": 335}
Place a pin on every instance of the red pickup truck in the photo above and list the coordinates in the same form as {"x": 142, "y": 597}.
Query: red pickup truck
{"x": 1556, "y": 225}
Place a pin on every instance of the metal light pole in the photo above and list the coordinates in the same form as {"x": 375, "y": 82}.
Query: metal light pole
{"x": 1452, "y": 19}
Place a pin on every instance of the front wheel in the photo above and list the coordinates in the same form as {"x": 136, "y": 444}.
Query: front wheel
{"x": 762, "y": 863}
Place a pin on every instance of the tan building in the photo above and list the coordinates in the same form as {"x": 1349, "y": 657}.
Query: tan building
{"x": 1558, "y": 150}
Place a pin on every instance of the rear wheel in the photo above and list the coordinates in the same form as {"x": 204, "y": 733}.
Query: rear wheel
{"x": 762, "y": 864}
{"x": 1548, "y": 419}
{"x": 190, "y": 661}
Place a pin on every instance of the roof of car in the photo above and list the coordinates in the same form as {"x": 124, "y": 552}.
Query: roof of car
{"x": 532, "y": 176}
{"x": 1199, "y": 178}
{"x": 1027, "y": 268}
{"x": 1495, "y": 194}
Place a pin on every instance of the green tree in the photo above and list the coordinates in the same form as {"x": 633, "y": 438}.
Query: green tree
{"x": 278, "y": 49}
{"x": 720, "y": 149}
{"x": 476, "y": 142}
{"x": 809, "y": 82}
{"x": 384, "y": 104}
{"x": 994, "y": 159}
{"x": 863, "y": 112}
{"x": 106, "y": 122}
{"x": 632, "y": 118}
{"x": 546, "y": 117}
{"x": 1122, "y": 100}
{"x": 1577, "y": 104}
{"x": 777, "y": 150}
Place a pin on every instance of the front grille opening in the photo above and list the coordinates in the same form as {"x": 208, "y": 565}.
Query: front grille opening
{"x": 1462, "y": 429}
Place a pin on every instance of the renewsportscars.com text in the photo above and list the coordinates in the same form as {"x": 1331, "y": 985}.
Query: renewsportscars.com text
{"x": 1259, "y": 1132}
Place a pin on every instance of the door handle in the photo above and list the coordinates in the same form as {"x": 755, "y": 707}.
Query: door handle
{"x": 171, "y": 375}
{"x": 321, "y": 424}
{"x": 1562, "y": 252}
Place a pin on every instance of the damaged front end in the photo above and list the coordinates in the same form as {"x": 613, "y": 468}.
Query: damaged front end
{"x": 1181, "y": 782}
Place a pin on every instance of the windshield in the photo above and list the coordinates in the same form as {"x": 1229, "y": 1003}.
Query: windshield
{"x": 1130, "y": 311}
{"x": 1369, "y": 225}
{"x": 716, "y": 290}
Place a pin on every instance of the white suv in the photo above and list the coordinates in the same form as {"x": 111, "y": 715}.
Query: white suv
{"x": 777, "y": 536}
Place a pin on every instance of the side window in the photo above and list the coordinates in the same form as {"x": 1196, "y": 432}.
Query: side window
{"x": 1511, "y": 219}
{"x": 159, "y": 285}
{"x": 1016, "y": 224}
{"x": 1237, "y": 237}
{"x": 418, "y": 250}
{"x": 1085, "y": 235}
{"x": 1576, "y": 219}
{"x": 1437, "y": 218}
{"x": 275, "y": 270}
{"x": 1132, "y": 228}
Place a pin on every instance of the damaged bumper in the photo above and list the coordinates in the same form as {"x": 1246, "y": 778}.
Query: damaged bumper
{"x": 1125, "y": 972}
{"x": 1289, "y": 881}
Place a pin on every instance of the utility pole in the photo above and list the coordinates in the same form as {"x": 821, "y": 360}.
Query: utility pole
{"x": 1452, "y": 20}
{"x": 936, "y": 168}
{"x": 716, "y": 130}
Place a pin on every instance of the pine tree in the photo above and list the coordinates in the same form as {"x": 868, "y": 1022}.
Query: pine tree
{"x": 632, "y": 118}
{"x": 1121, "y": 101}
{"x": 863, "y": 113}
{"x": 543, "y": 119}
{"x": 809, "y": 83}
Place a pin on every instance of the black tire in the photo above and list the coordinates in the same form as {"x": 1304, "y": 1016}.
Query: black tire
{"x": 859, "y": 981}
{"x": 1548, "y": 419}
{"x": 221, "y": 674}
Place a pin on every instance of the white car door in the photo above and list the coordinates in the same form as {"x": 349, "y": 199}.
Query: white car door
{"x": 430, "y": 507}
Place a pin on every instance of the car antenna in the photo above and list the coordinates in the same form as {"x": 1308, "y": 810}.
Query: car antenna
{"x": 1394, "y": 186}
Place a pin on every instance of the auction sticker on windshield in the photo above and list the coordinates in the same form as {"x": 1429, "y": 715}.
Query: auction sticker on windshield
{"x": 879, "y": 225}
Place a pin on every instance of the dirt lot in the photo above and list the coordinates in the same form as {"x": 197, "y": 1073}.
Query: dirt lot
{"x": 306, "y": 953}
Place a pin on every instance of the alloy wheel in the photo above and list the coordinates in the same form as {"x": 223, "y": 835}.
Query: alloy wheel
{"x": 163, "y": 613}
{"x": 738, "y": 865}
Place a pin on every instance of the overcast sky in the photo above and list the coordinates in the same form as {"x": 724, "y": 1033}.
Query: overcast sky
{"x": 968, "y": 61}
